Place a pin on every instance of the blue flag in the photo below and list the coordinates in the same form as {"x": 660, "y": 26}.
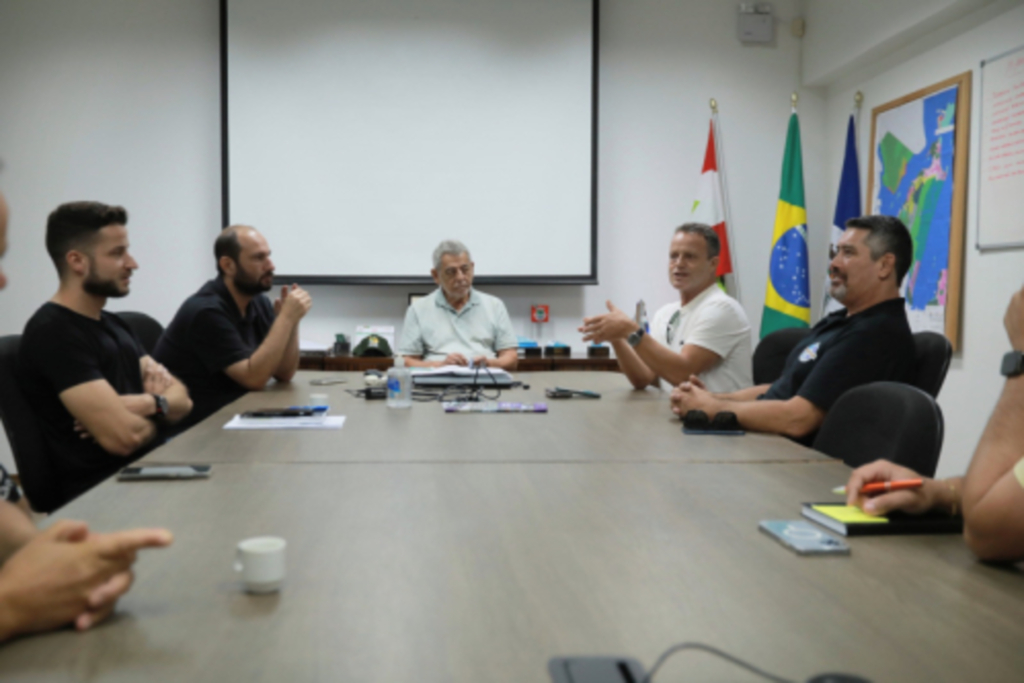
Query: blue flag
{"x": 847, "y": 204}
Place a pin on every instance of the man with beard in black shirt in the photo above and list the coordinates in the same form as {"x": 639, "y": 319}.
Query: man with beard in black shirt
{"x": 228, "y": 339}
{"x": 100, "y": 400}
{"x": 66, "y": 574}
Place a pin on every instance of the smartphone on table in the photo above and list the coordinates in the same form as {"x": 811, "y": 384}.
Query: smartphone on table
{"x": 151, "y": 472}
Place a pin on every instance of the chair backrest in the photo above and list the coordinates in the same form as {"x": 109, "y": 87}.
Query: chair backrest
{"x": 932, "y": 353}
{"x": 772, "y": 351}
{"x": 145, "y": 328}
{"x": 890, "y": 420}
{"x": 35, "y": 469}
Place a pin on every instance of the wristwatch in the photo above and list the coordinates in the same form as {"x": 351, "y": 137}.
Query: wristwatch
{"x": 161, "y": 407}
{"x": 1013, "y": 364}
{"x": 635, "y": 338}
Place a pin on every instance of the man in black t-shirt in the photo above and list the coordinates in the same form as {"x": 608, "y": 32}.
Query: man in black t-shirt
{"x": 98, "y": 397}
{"x": 868, "y": 341}
{"x": 66, "y": 574}
{"x": 227, "y": 338}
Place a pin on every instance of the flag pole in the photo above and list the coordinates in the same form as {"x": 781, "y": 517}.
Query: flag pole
{"x": 858, "y": 100}
{"x": 719, "y": 146}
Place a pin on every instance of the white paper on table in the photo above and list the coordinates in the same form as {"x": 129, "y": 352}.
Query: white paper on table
{"x": 328, "y": 422}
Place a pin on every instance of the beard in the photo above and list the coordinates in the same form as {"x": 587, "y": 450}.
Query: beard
{"x": 838, "y": 292}
{"x": 105, "y": 288}
{"x": 251, "y": 286}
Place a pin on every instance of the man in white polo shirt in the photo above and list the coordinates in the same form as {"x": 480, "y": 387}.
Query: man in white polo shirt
{"x": 705, "y": 333}
{"x": 456, "y": 324}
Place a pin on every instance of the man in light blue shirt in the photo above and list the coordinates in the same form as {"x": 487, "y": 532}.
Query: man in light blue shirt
{"x": 455, "y": 324}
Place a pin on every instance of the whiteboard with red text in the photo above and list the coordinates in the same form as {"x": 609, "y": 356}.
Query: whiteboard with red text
{"x": 1001, "y": 176}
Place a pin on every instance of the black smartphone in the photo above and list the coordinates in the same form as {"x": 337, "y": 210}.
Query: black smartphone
{"x": 150, "y": 472}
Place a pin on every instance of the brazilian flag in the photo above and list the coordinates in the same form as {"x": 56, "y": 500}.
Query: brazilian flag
{"x": 787, "y": 300}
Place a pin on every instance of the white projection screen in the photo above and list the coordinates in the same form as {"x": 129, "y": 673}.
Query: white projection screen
{"x": 361, "y": 133}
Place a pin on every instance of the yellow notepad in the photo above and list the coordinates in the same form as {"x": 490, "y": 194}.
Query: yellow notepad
{"x": 849, "y": 514}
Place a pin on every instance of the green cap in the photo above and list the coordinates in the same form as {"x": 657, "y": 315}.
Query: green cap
{"x": 373, "y": 345}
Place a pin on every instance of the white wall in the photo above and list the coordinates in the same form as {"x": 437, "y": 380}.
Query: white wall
{"x": 118, "y": 101}
{"x": 973, "y": 383}
{"x": 843, "y": 36}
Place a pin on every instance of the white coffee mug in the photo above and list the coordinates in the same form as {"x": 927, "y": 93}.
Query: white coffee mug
{"x": 261, "y": 562}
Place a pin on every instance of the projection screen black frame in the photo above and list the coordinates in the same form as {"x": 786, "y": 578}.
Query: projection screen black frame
{"x": 590, "y": 279}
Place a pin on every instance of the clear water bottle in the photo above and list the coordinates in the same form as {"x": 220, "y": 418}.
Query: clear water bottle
{"x": 399, "y": 385}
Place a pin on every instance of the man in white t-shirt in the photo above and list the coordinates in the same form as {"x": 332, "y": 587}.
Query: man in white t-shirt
{"x": 705, "y": 333}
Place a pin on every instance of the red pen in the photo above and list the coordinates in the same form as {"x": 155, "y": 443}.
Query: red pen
{"x": 884, "y": 486}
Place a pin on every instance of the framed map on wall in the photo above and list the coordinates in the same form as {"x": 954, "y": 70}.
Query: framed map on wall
{"x": 918, "y": 172}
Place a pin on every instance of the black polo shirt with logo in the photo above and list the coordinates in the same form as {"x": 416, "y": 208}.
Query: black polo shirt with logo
{"x": 843, "y": 352}
{"x": 207, "y": 335}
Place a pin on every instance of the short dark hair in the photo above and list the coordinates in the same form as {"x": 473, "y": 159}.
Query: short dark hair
{"x": 706, "y": 231}
{"x": 887, "y": 235}
{"x": 227, "y": 244}
{"x": 74, "y": 226}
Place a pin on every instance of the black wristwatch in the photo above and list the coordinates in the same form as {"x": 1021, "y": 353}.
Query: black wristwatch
{"x": 635, "y": 338}
{"x": 1013, "y": 364}
{"x": 161, "y": 407}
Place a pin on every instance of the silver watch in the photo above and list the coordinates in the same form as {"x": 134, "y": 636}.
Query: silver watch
{"x": 635, "y": 338}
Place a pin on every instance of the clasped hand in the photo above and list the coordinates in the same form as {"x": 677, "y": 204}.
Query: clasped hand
{"x": 293, "y": 303}
{"x": 67, "y": 574}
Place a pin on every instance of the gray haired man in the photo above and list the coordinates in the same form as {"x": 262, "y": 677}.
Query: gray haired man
{"x": 456, "y": 324}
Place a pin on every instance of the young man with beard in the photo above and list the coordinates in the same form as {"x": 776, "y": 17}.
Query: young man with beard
{"x": 99, "y": 398}
{"x": 66, "y": 574}
{"x": 868, "y": 341}
{"x": 227, "y": 338}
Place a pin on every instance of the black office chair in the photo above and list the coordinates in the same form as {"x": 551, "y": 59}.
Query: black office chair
{"x": 932, "y": 353}
{"x": 772, "y": 351}
{"x": 38, "y": 479}
{"x": 889, "y": 420}
{"x": 145, "y": 328}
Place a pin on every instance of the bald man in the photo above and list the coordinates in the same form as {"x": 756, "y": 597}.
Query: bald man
{"x": 227, "y": 338}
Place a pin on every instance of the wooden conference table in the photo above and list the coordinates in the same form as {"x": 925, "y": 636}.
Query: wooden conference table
{"x": 432, "y": 547}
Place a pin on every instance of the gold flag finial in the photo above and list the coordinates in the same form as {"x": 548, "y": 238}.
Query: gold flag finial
{"x": 858, "y": 98}
{"x": 714, "y": 105}
{"x": 794, "y": 98}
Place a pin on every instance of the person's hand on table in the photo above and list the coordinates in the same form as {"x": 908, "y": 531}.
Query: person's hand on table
{"x": 455, "y": 359}
{"x": 68, "y": 575}
{"x": 697, "y": 382}
{"x": 692, "y": 395}
{"x": 480, "y": 362}
{"x": 606, "y": 327}
{"x": 913, "y": 501}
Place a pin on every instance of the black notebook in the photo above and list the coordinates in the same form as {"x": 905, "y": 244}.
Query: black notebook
{"x": 850, "y": 521}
